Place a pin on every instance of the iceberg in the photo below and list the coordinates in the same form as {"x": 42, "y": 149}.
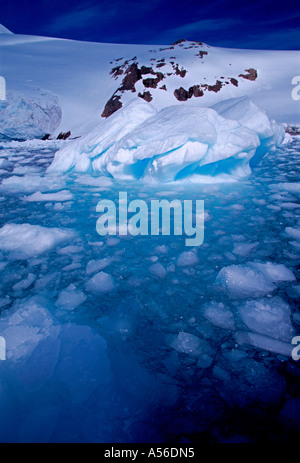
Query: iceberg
{"x": 174, "y": 143}
{"x": 26, "y": 118}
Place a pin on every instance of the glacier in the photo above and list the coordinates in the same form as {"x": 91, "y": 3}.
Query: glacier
{"x": 174, "y": 143}
{"x": 25, "y": 118}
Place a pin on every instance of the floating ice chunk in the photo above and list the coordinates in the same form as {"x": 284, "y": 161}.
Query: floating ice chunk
{"x": 111, "y": 241}
{"x": 4, "y": 301}
{"x": 101, "y": 182}
{"x": 171, "y": 268}
{"x": 73, "y": 266}
{"x": 3, "y": 265}
{"x": 26, "y": 326}
{"x": 293, "y": 188}
{"x": 30, "y": 183}
{"x": 190, "y": 344}
{"x": 24, "y": 284}
{"x": 25, "y": 240}
{"x": 264, "y": 343}
{"x": 289, "y": 205}
{"x": 22, "y": 170}
{"x": 70, "y": 298}
{"x": 100, "y": 283}
{"x": 188, "y": 258}
{"x": 163, "y": 249}
{"x": 244, "y": 281}
{"x": 158, "y": 270}
{"x": 253, "y": 279}
{"x": 219, "y": 315}
{"x": 94, "y": 266}
{"x": 274, "y": 272}
{"x": 72, "y": 249}
{"x": 270, "y": 317}
{"x": 244, "y": 249}
{"x": 293, "y": 232}
{"x": 60, "y": 196}
{"x": 235, "y": 355}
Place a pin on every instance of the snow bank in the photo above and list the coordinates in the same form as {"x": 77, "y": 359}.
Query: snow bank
{"x": 174, "y": 143}
{"x": 23, "y": 118}
{"x": 4, "y": 30}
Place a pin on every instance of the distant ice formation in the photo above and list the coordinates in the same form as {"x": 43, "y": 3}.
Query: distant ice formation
{"x": 23, "y": 118}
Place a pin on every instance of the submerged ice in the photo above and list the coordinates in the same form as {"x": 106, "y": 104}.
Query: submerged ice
{"x": 122, "y": 338}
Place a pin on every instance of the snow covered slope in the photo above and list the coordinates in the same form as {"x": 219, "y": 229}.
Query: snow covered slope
{"x": 4, "y": 30}
{"x": 91, "y": 79}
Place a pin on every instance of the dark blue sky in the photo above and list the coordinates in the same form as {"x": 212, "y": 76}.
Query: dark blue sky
{"x": 239, "y": 24}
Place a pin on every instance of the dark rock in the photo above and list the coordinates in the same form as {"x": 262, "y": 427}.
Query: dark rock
{"x": 46, "y": 137}
{"x": 151, "y": 82}
{"x": 116, "y": 71}
{"x": 215, "y": 88}
{"x": 163, "y": 87}
{"x": 179, "y": 72}
{"x": 181, "y": 94}
{"x": 133, "y": 74}
{"x": 63, "y": 136}
{"x": 146, "y": 70}
{"x": 168, "y": 48}
{"x": 234, "y": 81}
{"x": 196, "y": 91}
{"x": 202, "y": 53}
{"x": 112, "y": 106}
{"x": 146, "y": 96}
{"x": 292, "y": 130}
{"x": 160, "y": 65}
{"x": 179, "y": 41}
{"x": 252, "y": 74}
